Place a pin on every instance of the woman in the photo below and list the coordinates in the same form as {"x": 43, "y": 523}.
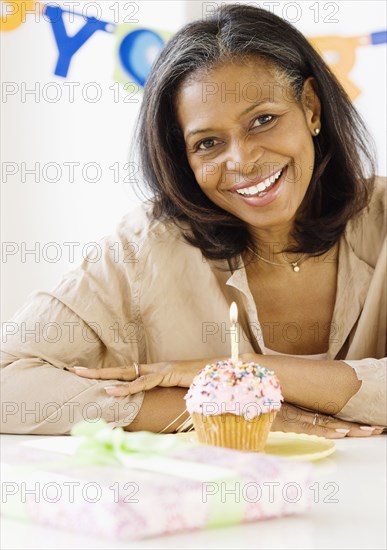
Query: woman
{"x": 263, "y": 194}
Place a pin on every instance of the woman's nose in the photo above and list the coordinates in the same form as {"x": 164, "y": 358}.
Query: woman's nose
{"x": 242, "y": 157}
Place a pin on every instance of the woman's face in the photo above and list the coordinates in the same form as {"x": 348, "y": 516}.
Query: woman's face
{"x": 248, "y": 142}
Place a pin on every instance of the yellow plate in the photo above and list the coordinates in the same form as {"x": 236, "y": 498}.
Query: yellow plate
{"x": 291, "y": 445}
{"x": 299, "y": 446}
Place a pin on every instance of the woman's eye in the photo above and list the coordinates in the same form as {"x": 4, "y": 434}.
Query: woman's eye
{"x": 205, "y": 144}
{"x": 263, "y": 119}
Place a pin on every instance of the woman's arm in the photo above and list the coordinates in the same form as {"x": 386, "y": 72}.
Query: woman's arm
{"x": 163, "y": 410}
{"x": 324, "y": 386}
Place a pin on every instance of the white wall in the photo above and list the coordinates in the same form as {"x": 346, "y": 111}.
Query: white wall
{"x": 34, "y": 130}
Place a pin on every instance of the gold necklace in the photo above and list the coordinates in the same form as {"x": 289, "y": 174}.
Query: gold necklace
{"x": 295, "y": 265}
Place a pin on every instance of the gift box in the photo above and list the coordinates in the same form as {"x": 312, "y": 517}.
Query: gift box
{"x": 126, "y": 486}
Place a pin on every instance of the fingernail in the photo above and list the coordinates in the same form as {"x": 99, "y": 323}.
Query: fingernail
{"x": 367, "y": 428}
{"x": 80, "y": 368}
{"x": 107, "y": 388}
{"x": 342, "y": 430}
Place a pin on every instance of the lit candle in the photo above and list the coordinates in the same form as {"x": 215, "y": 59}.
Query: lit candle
{"x": 234, "y": 333}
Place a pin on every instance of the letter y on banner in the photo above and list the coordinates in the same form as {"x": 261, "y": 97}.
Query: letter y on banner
{"x": 69, "y": 45}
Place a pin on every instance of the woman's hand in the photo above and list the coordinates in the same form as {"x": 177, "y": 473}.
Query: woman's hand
{"x": 293, "y": 419}
{"x": 166, "y": 374}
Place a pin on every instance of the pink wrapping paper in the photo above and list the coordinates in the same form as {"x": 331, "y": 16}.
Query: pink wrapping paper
{"x": 122, "y": 503}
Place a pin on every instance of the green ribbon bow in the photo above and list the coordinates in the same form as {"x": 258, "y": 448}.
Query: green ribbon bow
{"x": 103, "y": 445}
{"x": 142, "y": 450}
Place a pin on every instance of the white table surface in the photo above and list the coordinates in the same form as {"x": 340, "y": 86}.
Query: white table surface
{"x": 357, "y": 520}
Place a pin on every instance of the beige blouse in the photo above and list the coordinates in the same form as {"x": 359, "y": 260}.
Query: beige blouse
{"x": 146, "y": 295}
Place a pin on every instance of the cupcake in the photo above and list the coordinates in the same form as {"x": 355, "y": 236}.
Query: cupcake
{"x": 234, "y": 405}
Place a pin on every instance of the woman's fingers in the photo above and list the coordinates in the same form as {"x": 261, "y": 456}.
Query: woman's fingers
{"x": 331, "y": 423}
{"x": 355, "y": 430}
{"x": 168, "y": 374}
{"x": 174, "y": 373}
{"x": 115, "y": 373}
{"x": 143, "y": 383}
{"x": 294, "y": 419}
{"x": 297, "y": 422}
{"x": 128, "y": 374}
{"x": 308, "y": 428}
{"x": 146, "y": 381}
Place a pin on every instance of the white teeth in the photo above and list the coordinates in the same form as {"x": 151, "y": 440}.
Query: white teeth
{"x": 254, "y": 189}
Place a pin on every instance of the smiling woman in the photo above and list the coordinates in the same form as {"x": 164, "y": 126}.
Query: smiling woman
{"x": 262, "y": 68}
{"x": 264, "y": 193}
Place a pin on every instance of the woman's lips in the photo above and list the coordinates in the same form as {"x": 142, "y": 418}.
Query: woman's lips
{"x": 269, "y": 196}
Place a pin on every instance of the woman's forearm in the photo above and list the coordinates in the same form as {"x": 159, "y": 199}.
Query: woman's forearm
{"x": 324, "y": 386}
{"x": 161, "y": 407}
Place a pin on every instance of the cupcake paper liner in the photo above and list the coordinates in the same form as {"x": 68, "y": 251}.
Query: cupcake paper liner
{"x": 232, "y": 431}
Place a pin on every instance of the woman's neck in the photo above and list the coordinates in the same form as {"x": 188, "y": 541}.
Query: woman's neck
{"x": 271, "y": 244}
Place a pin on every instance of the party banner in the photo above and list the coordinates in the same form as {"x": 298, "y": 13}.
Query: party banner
{"x": 137, "y": 47}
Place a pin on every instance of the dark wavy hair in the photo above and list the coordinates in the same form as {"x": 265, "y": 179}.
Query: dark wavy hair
{"x": 343, "y": 175}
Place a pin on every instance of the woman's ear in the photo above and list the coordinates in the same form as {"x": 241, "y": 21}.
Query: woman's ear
{"x": 311, "y": 104}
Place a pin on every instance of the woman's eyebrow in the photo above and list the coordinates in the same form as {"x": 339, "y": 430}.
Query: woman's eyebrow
{"x": 244, "y": 112}
{"x": 257, "y": 104}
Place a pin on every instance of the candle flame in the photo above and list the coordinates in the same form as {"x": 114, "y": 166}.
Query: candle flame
{"x": 233, "y": 313}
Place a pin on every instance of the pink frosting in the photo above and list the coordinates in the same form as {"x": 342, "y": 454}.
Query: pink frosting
{"x": 244, "y": 389}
